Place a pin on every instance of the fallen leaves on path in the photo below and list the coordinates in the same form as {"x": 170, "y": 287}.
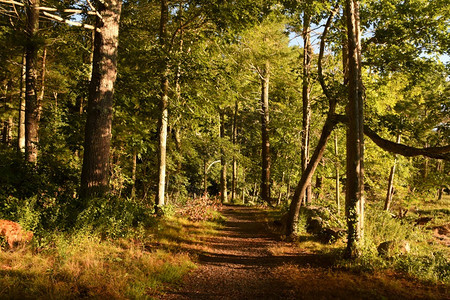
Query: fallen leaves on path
{"x": 245, "y": 261}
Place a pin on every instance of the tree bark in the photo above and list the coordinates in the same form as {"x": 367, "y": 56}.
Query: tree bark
{"x": 21, "y": 123}
{"x": 265, "y": 153}
{"x": 306, "y": 91}
{"x": 32, "y": 107}
{"x": 163, "y": 105}
{"x": 205, "y": 178}
{"x": 223, "y": 174}
{"x": 8, "y": 124}
{"x": 330, "y": 122}
{"x": 133, "y": 174}
{"x": 355, "y": 134}
{"x": 300, "y": 191}
{"x": 390, "y": 189}
{"x": 234, "y": 138}
{"x": 337, "y": 183}
{"x": 97, "y": 143}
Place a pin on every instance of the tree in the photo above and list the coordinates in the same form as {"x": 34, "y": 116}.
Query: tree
{"x": 95, "y": 171}
{"x": 163, "y": 104}
{"x": 354, "y": 197}
{"x": 32, "y": 109}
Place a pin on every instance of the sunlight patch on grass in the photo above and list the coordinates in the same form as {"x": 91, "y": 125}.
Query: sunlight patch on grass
{"x": 83, "y": 265}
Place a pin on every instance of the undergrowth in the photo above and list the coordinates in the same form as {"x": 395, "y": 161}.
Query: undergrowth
{"x": 113, "y": 248}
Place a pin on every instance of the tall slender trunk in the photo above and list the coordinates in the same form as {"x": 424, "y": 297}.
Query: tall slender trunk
{"x": 265, "y": 153}
{"x": 440, "y": 168}
{"x": 306, "y": 91}
{"x": 300, "y": 191}
{"x": 8, "y": 123}
{"x": 97, "y": 143}
{"x": 32, "y": 107}
{"x": 354, "y": 200}
{"x": 205, "y": 178}
{"x": 133, "y": 174}
{"x": 43, "y": 72}
{"x": 330, "y": 122}
{"x": 21, "y": 123}
{"x": 390, "y": 189}
{"x": 163, "y": 105}
{"x": 337, "y": 183}
{"x": 234, "y": 140}
{"x": 223, "y": 162}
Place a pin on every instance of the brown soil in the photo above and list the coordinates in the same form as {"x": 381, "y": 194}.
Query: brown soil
{"x": 246, "y": 261}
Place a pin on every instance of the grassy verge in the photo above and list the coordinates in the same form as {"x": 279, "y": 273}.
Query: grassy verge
{"x": 427, "y": 260}
{"x": 85, "y": 265}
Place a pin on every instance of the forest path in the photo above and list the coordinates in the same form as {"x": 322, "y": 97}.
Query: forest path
{"x": 246, "y": 261}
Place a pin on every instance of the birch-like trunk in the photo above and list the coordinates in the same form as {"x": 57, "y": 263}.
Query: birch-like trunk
{"x": 234, "y": 140}
{"x": 163, "y": 106}
{"x": 21, "y": 123}
{"x": 306, "y": 91}
{"x": 223, "y": 162}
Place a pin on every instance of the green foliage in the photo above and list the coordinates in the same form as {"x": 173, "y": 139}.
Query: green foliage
{"x": 115, "y": 217}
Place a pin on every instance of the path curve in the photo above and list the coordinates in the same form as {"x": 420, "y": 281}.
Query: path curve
{"x": 246, "y": 261}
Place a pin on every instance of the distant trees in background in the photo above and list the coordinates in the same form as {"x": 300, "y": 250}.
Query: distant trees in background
{"x": 226, "y": 81}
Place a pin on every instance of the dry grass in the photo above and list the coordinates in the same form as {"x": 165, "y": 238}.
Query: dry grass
{"x": 85, "y": 266}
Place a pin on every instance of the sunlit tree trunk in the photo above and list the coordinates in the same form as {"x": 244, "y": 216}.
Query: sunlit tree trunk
{"x": 223, "y": 162}
{"x": 337, "y": 183}
{"x": 163, "y": 105}
{"x": 330, "y": 122}
{"x": 300, "y": 191}
{"x": 306, "y": 91}
{"x": 265, "y": 153}
{"x": 133, "y": 174}
{"x": 21, "y": 123}
{"x": 390, "y": 189}
{"x": 97, "y": 143}
{"x": 234, "y": 138}
{"x": 354, "y": 200}
{"x": 31, "y": 99}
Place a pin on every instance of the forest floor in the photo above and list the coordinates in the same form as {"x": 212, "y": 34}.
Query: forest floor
{"x": 246, "y": 261}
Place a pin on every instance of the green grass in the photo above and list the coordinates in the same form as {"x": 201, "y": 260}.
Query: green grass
{"x": 84, "y": 265}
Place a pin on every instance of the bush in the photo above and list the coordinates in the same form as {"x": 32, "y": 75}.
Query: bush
{"x": 113, "y": 216}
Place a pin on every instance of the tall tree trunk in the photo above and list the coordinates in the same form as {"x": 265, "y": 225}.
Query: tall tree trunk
{"x": 234, "y": 138}
{"x": 223, "y": 162}
{"x": 330, "y": 123}
{"x": 390, "y": 189}
{"x": 8, "y": 124}
{"x": 265, "y": 153}
{"x": 32, "y": 107}
{"x": 133, "y": 174}
{"x": 21, "y": 123}
{"x": 300, "y": 191}
{"x": 306, "y": 91}
{"x": 337, "y": 183}
{"x": 440, "y": 168}
{"x": 42, "y": 91}
{"x": 97, "y": 143}
{"x": 163, "y": 105}
{"x": 354, "y": 200}
{"x": 205, "y": 178}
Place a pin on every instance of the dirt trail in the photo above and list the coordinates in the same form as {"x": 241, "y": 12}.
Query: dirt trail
{"x": 245, "y": 261}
